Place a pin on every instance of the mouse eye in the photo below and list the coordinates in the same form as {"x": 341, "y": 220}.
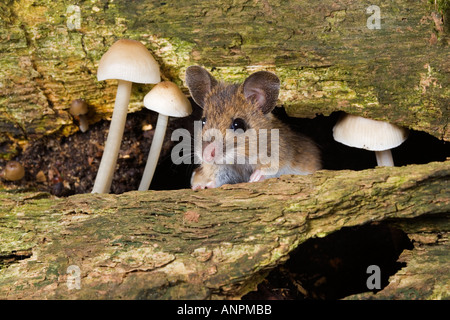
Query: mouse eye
{"x": 203, "y": 121}
{"x": 239, "y": 123}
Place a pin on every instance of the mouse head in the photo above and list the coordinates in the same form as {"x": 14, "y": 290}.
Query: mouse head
{"x": 232, "y": 110}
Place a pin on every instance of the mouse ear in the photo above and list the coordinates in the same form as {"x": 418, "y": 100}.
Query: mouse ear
{"x": 200, "y": 83}
{"x": 262, "y": 88}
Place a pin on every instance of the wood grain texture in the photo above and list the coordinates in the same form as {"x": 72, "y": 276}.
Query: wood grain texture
{"x": 426, "y": 271}
{"x": 326, "y": 57}
{"x": 216, "y": 243}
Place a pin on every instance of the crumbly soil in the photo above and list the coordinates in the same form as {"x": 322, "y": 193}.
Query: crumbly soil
{"x": 65, "y": 166}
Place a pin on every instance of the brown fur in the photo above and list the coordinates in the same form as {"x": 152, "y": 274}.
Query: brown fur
{"x": 225, "y": 102}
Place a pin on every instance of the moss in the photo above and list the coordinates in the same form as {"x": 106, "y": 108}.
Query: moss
{"x": 441, "y": 5}
{"x": 18, "y": 232}
{"x": 172, "y": 54}
{"x": 139, "y": 243}
{"x": 326, "y": 58}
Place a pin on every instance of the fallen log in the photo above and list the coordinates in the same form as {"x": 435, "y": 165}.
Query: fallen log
{"x": 329, "y": 55}
{"x": 209, "y": 244}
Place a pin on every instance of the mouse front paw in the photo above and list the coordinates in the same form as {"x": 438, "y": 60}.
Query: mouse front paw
{"x": 257, "y": 175}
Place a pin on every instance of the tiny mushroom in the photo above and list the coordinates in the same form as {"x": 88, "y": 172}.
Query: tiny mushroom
{"x": 79, "y": 108}
{"x": 374, "y": 135}
{"x": 168, "y": 100}
{"x": 126, "y": 61}
{"x": 13, "y": 171}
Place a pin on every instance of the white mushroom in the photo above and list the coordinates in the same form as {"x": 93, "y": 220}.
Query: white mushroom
{"x": 168, "y": 100}
{"x": 127, "y": 61}
{"x": 378, "y": 136}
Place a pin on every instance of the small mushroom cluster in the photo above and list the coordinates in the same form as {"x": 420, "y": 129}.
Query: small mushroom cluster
{"x": 379, "y": 136}
{"x": 129, "y": 61}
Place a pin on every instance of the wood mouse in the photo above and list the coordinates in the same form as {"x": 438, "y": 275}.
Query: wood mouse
{"x": 235, "y": 111}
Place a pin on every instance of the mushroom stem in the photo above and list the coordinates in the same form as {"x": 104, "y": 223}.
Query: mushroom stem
{"x": 84, "y": 125}
{"x": 384, "y": 158}
{"x": 109, "y": 159}
{"x": 155, "y": 150}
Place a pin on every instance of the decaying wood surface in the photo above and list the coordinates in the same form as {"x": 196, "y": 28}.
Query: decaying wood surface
{"x": 324, "y": 53}
{"x": 426, "y": 274}
{"x": 216, "y": 243}
{"x": 220, "y": 243}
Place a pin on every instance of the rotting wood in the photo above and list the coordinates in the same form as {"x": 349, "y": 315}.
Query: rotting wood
{"x": 146, "y": 244}
{"x": 323, "y": 52}
{"x": 426, "y": 274}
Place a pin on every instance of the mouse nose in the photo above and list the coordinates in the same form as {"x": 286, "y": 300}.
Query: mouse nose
{"x": 209, "y": 152}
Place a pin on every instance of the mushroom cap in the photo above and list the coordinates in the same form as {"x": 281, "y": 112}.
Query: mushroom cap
{"x": 14, "y": 171}
{"x": 78, "y": 107}
{"x": 128, "y": 60}
{"x": 374, "y": 135}
{"x": 166, "y": 98}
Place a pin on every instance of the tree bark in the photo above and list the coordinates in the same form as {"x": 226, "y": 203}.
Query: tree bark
{"x": 215, "y": 243}
{"x": 427, "y": 271}
{"x": 220, "y": 243}
{"x": 324, "y": 53}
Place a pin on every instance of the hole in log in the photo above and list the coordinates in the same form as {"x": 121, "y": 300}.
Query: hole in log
{"x": 419, "y": 148}
{"x": 335, "y": 266}
{"x": 14, "y": 256}
{"x": 65, "y": 166}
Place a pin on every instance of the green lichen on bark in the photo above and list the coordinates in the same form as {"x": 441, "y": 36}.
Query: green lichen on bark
{"x": 326, "y": 57}
{"x": 426, "y": 270}
{"x": 180, "y": 244}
